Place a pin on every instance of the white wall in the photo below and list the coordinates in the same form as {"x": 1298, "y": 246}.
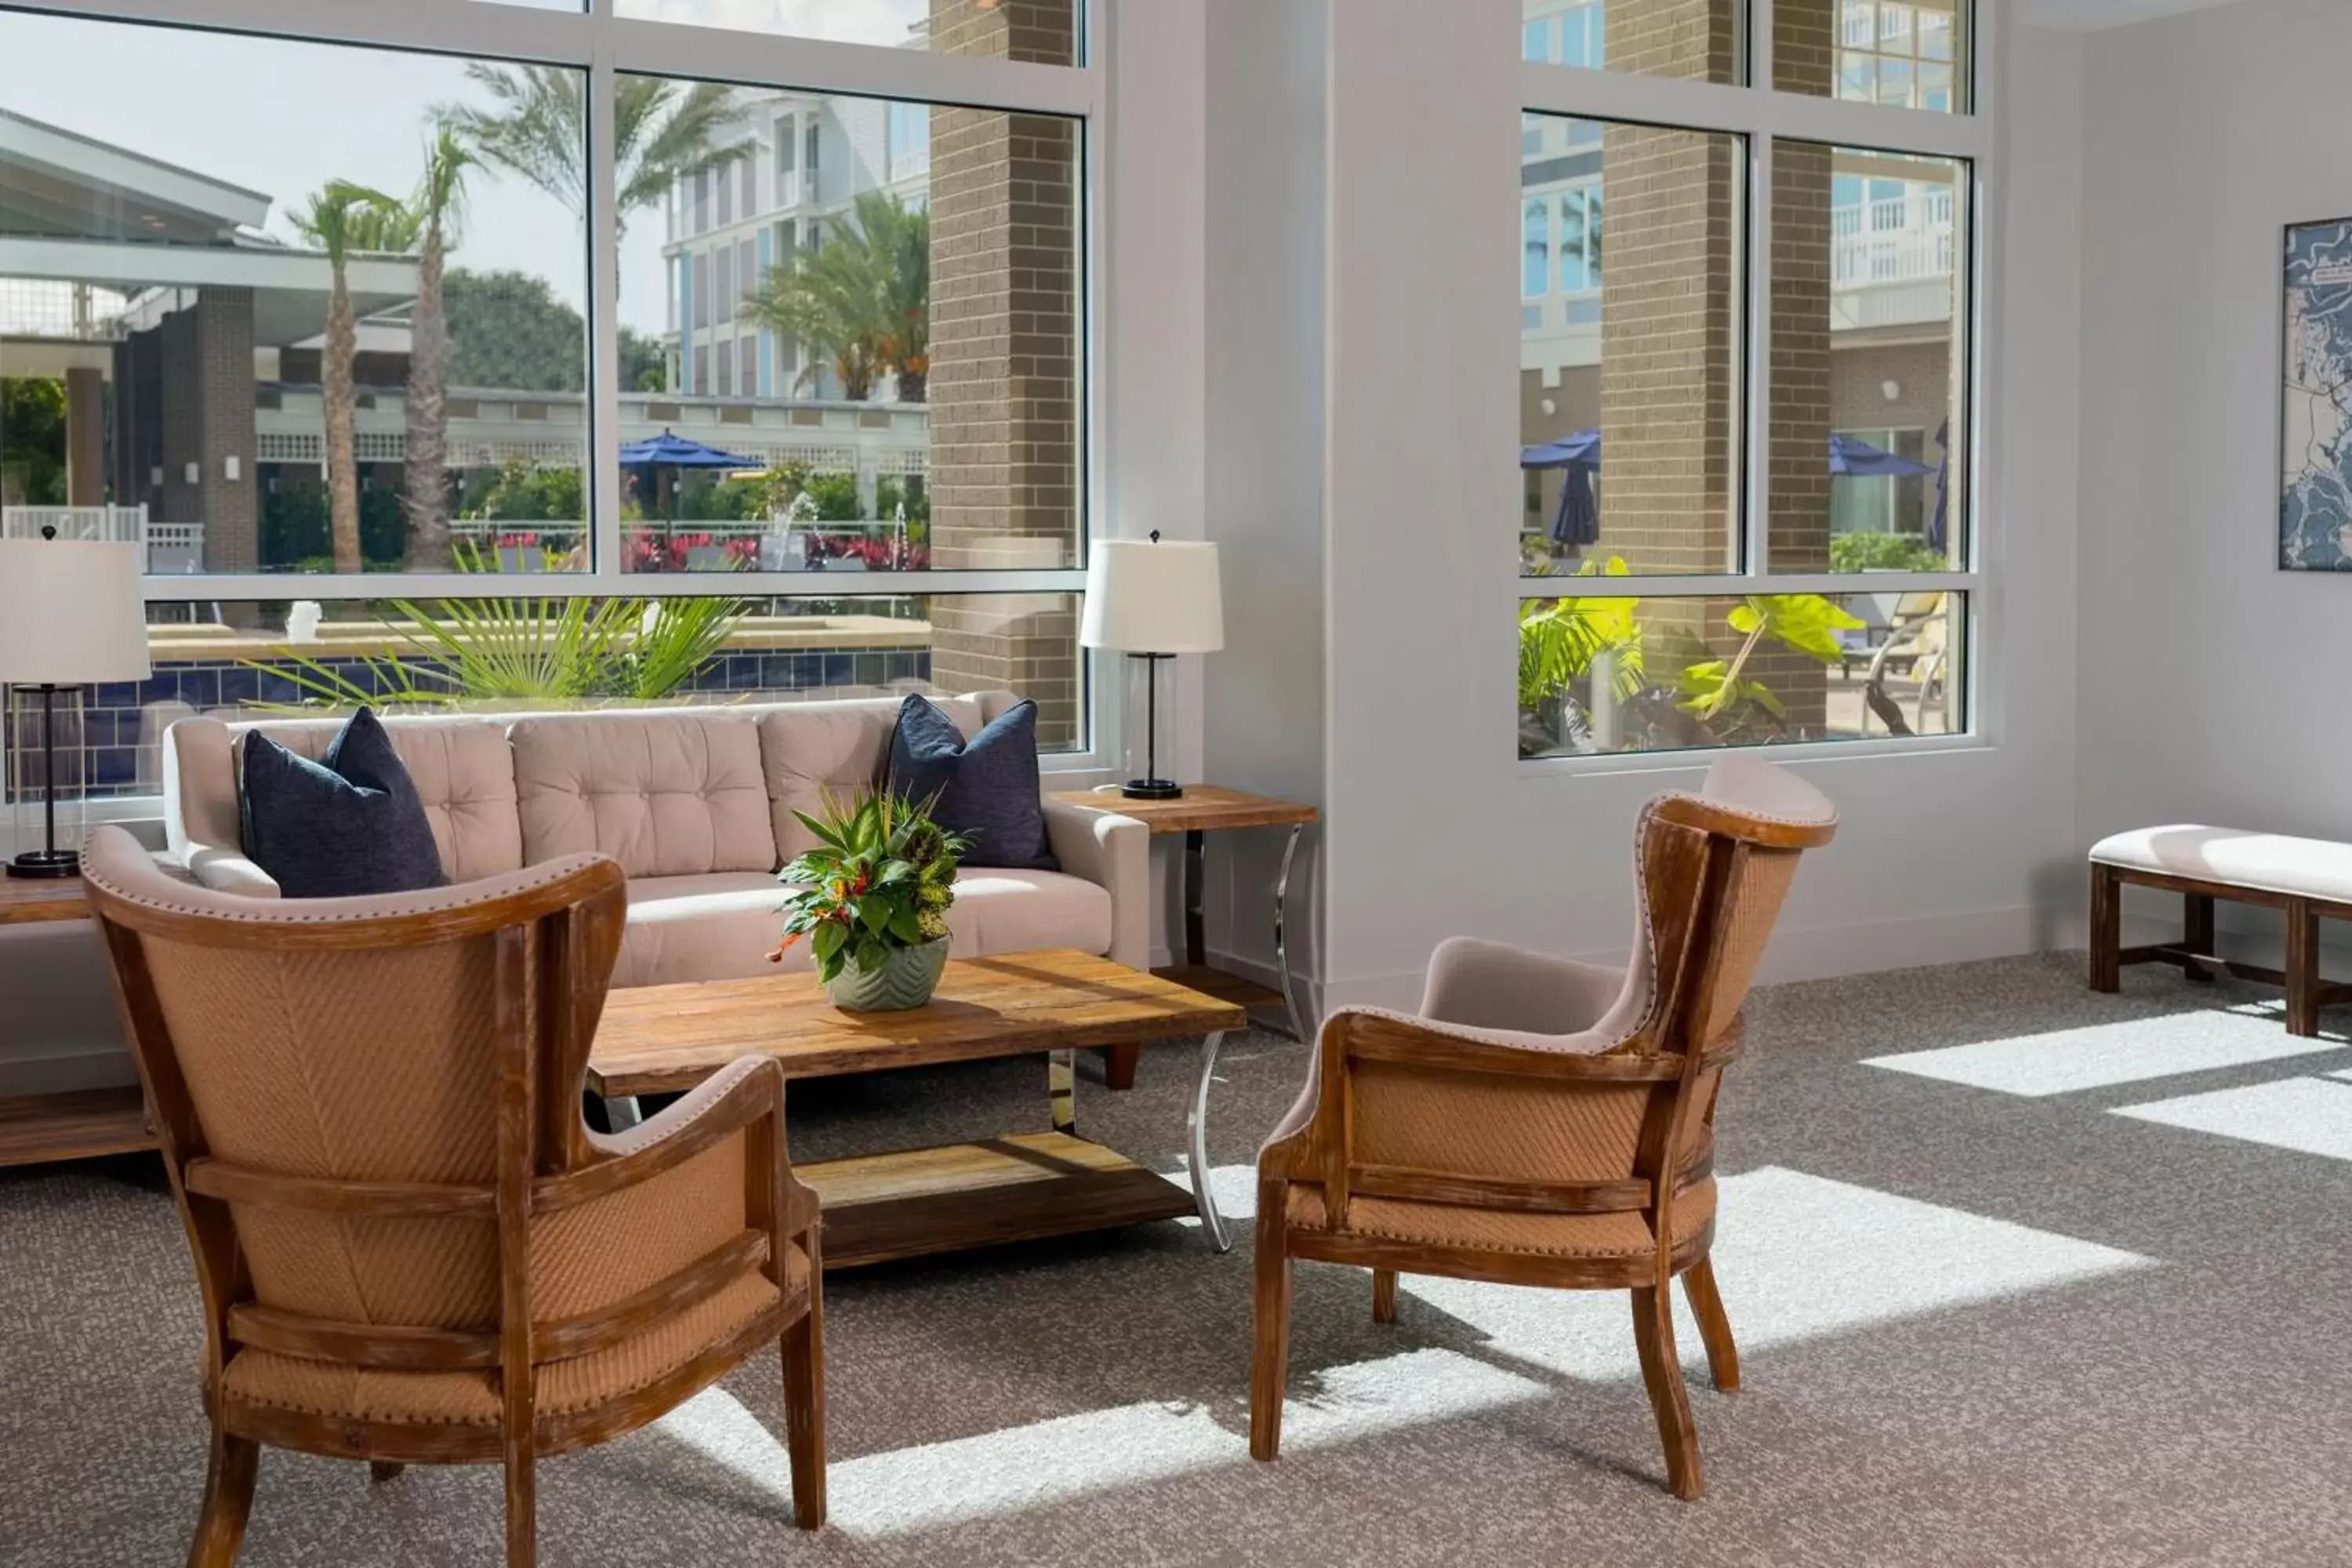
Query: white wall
{"x": 1434, "y": 826}
{"x": 2212, "y": 683}
{"x": 1265, "y": 285}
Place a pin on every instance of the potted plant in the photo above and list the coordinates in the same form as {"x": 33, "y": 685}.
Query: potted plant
{"x": 872, "y": 900}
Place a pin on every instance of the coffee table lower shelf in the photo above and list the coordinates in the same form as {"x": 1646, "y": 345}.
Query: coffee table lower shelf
{"x": 1022, "y": 1187}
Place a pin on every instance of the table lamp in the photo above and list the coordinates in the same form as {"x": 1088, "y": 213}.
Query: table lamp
{"x": 70, "y": 614}
{"x": 1151, "y": 600}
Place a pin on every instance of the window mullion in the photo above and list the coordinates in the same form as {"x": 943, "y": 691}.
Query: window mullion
{"x": 602, "y": 239}
{"x": 1756, "y": 557}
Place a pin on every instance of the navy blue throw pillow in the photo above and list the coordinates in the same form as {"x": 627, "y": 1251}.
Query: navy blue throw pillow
{"x": 986, "y": 791}
{"x": 348, "y": 826}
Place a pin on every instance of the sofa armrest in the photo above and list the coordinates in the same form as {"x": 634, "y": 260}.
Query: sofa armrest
{"x": 227, "y": 871}
{"x": 1114, "y": 853}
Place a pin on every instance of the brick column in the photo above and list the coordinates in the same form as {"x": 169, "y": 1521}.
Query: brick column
{"x": 1003, "y": 367}
{"x": 1804, "y": 44}
{"x": 1671, "y": 287}
{"x": 139, "y": 419}
{"x": 207, "y": 416}
{"x": 85, "y": 436}
{"x": 1669, "y": 296}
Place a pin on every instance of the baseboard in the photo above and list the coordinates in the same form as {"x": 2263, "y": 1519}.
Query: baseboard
{"x": 1306, "y": 994}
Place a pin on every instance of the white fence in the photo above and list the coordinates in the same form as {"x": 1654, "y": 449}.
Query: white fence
{"x": 172, "y": 547}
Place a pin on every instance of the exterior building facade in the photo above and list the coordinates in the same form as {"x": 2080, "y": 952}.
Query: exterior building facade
{"x": 804, "y": 160}
{"x": 1894, "y": 240}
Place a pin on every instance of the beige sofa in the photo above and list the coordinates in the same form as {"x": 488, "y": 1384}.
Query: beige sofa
{"x": 696, "y": 805}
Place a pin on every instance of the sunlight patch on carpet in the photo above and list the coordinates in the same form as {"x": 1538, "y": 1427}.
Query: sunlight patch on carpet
{"x": 1797, "y": 1258}
{"x": 1235, "y": 1189}
{"x": 2307, "y": 1115}
{"x": 2129, "y": 1051}
{"x": 1045, "y": 1463}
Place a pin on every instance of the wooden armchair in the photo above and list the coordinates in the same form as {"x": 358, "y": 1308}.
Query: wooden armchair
{"x": 410, "y": 1246}
{"x": 1544, "y": 1122}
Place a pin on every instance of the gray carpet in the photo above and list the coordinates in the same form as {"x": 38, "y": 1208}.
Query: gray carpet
{"x": 1993, "y": 1309}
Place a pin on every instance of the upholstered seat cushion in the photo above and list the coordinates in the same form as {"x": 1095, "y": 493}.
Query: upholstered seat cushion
{"x": 721, "y": 926}
{"x": 998, "y": 910}
{"x": 472, "y": 1398}
{"x": 717, "y": 926}
{"x": 2301, "y": 868}
{"x": 1495, "y": 1230}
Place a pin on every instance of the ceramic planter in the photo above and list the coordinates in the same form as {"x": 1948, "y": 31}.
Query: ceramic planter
{"x": 906, "y": 979}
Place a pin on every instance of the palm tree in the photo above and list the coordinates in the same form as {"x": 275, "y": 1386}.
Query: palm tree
{"x": 662, "y": 130}
{"x": 861, "y": 300}
{"x": 439, "y": 208}
{"x": 342, "y": 218}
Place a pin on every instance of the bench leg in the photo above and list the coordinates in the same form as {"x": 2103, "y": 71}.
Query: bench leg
{"x": 2106, "y": 929}
{"x": 2301, "y": 968}
{"x": 2197, "y": 932}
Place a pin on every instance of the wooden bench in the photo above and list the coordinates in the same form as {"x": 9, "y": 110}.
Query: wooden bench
{"x": 2309, "y": 878}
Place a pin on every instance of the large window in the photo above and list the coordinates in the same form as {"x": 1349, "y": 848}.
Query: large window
{"x": 1695, "y": 38}
{"x": 541, "y": 291}
{"x": 1747, "y": 449}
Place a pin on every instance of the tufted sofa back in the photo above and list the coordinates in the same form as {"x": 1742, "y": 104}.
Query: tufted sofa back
{"x": 665, "y": 792}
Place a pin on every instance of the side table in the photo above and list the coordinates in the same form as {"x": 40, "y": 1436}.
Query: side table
{"x": 1200, "y": 810}
{"x": 80, "y": 1125}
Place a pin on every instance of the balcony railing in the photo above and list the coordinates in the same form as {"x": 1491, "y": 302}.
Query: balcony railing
{"x": 171, "y": 547}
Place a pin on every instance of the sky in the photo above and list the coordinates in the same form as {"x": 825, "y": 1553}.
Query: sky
{"x": 285, "y": 118}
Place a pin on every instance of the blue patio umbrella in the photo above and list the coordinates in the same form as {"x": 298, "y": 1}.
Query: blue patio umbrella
{"x": 1848, "y": 455}
{"x": 669, "y": 451}
{"x": 1860, "y": 459}
{"x": 1578, "y": 521}
{"x": 1582, "y": 449}
{"x": 1943, "y": 484}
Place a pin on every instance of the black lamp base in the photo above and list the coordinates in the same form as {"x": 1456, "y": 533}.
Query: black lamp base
{"x": 1151, "y": 789}
{"x": 45, "y": 864}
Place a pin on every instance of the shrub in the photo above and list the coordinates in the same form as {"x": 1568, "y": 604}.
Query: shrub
{"x": 1884, "y": 552}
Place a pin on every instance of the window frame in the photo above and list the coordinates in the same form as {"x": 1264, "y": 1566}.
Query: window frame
{"x": 605, "y": 46}
{"x": 1763, "y": 115}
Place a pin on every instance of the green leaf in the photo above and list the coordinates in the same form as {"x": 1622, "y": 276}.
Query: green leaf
{"x": 826, "y": 833}
{"x": 906, "y": 925}
{"x": 1744, "y": 618}
{"x": 828, "y": 939}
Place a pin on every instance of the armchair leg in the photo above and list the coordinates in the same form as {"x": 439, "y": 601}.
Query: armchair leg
{"x": 1662, "y": 1371}
{"x": 1270, "y": 1353}
{"x": 1119, "y": 1066}
{"x": 1384, "y": 1289}
{"x": 804, "y": 1398}
{"x": 1714, "y": 1326}
{"x": 381, "y": 1470}
{"x": 229, "y": 1501}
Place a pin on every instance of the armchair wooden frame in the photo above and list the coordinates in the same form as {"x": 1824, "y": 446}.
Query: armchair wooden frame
{"x": 1697, "y": 858}
{"x": 555, "y": 941}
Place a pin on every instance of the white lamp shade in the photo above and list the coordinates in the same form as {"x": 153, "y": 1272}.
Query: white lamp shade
{"x": 1153, "y": 596}
{"x": 70, "y": 612}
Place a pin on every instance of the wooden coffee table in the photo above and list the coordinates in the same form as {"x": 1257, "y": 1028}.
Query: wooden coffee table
{"x": 1020, "y": 1187}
